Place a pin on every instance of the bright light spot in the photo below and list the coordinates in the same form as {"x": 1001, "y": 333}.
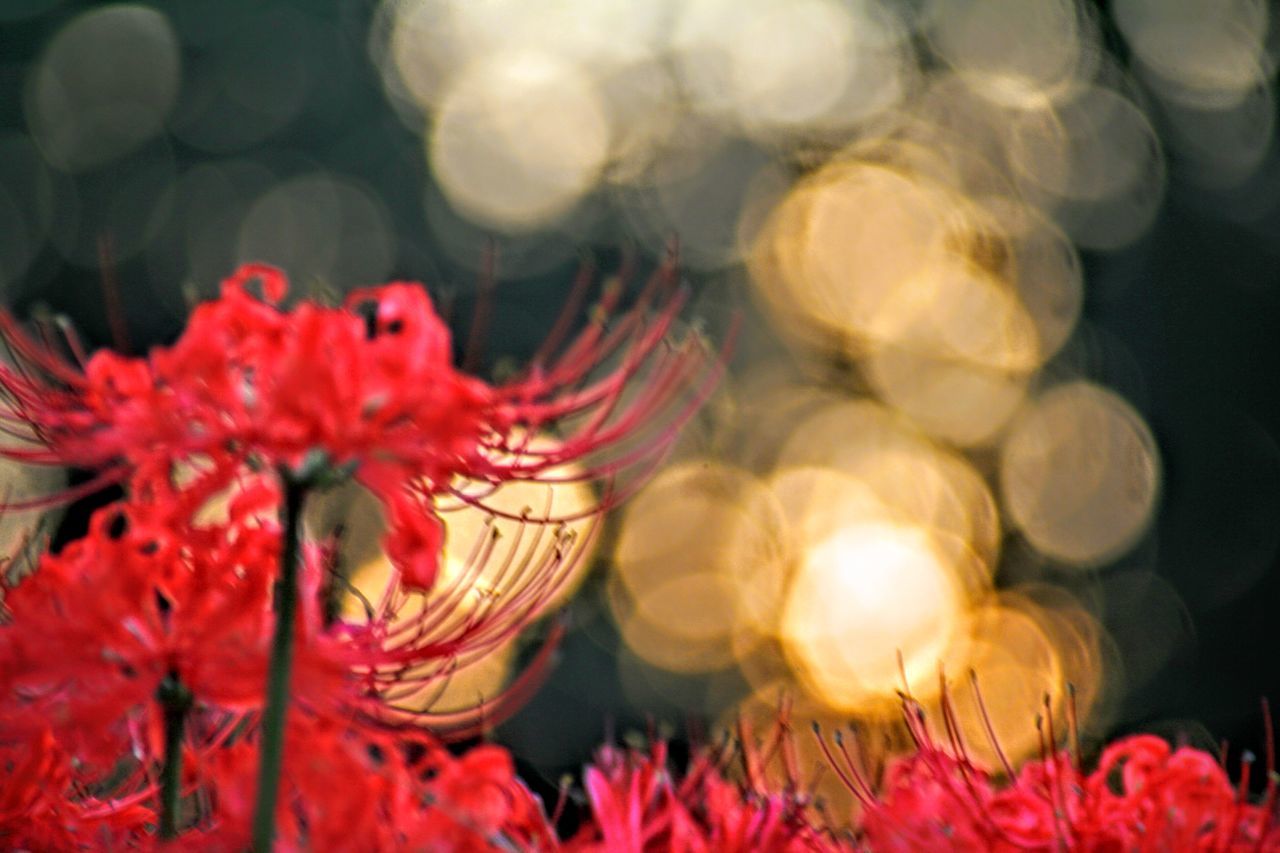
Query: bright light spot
{"x": 776, "y": 67}
{"x": 822, "y": 261}
{"x": 519, "y": 139}
{"x": 858, "y": 459}
{"x": 958, "y": 401}
{"x": 860, "y": 597}
{"x": 466, "y": 687}
{"x": 789, "y": 64}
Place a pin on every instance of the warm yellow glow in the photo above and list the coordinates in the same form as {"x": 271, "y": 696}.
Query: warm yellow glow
{"x": 467, "y": 532}
{"x": 682, "y": 523}
{"x": 758, "y": 561}
{"x": 467, "y": 687}
{"x": 816, "y": 502}
{"x": 861, "y": 267}
{"x": 1017, "y": 666}
{"x": 958, "y": 401}
{"x": 1078, "y": 639}
{"x": 1079, "y": 474}
{"x": 823, "y": 260}
{"x": 701, "y": 549}
{"x": 959, "y": 367}
{"x": 684, "y": 624}
{"x": 696, "y": 607}
{"x": 467, "y": 526}
{"x": 760, "y": 714}
{"x": 859, "y": 598}
{"x": 890, "y": 467}
{"x": 950, "y": 305}
{"x": 519, "y": 138}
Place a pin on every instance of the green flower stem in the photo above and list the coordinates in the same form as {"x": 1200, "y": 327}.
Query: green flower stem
{"x": 176, "y": 700}
{"x": 279, "y": 671}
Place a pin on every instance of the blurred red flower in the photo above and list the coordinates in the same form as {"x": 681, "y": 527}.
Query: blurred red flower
{"x": 350, "y": 789}
{"x": 42, "y": 808}
{"x": 638, "y": 803}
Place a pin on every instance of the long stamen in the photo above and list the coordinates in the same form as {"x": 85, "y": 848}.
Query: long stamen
{"x": 1073, "y": 726}
{"x": 849, "y": 782}
{"x": 989, "y": 726}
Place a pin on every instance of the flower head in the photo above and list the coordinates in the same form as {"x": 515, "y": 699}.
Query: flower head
{"x": 155, "y": 590}
{"x": 145, "y": 595}
{"x": 1143, "y": 795}
{"x": 352, "y": 789}
{"x": 367, "y": 387}
{"x": 639, "y": 803}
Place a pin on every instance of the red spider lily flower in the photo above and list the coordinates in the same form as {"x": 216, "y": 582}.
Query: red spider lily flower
{"x": 1142, "y": 796}
{"x": 155, "y": 591}
{"x": 41, "y": 809}
{"x": 350, "y": 789}
{"x": 637, "y": 804}
{"x": 146, "y": 596}
{"x": 368, "y": 387}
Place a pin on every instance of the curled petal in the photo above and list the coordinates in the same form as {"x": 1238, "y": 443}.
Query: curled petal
{"x": 414, "y": 540}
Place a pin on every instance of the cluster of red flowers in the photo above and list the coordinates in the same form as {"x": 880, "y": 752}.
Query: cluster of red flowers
{"x": 368, "y": 388}
{"x": 141, "y": 666}
{"x": 1141, "y": 796}
{"x": 636, "y": 804}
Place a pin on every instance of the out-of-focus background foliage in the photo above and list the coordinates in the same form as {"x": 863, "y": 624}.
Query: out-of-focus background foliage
{"x": 1004, "y": 397}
